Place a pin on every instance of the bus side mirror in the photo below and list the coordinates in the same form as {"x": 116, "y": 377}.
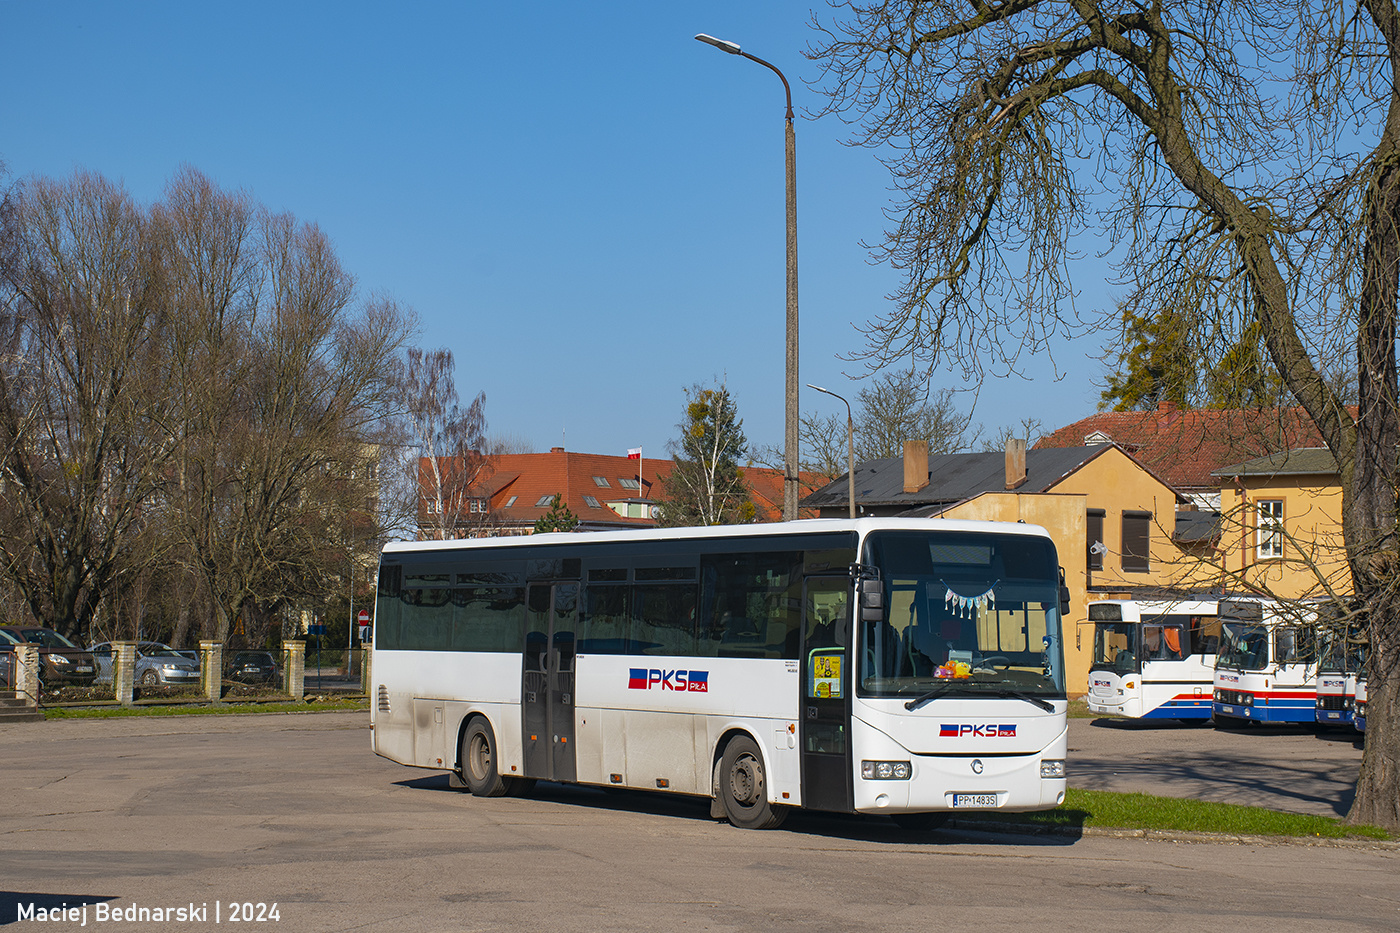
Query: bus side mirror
{"x": 872, "y": 601}
{"x": 1064, "y": 601}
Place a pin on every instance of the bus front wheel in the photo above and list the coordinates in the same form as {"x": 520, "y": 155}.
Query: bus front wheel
{"x": 479, "y": 761}
{"x": 743, "y": 787}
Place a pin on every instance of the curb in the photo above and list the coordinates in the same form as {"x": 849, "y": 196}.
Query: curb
{"x": 1161, "y": 835}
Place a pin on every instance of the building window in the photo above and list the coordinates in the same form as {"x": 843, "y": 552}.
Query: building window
{"x": 545, "y": 499}
{"x": 511, "y": 501}
{"x": 601, "y": 481}
{"x": 629, "y": 484}
{"x": 591, "y": 502}
{"x": 1268, "y": 533}
{"x": 1137, "y": 531}
{"x": 476, "y": 506}
{"x": 1096, "y": 548}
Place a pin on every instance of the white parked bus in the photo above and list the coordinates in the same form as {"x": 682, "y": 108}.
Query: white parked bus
{"x": 1153, "y": 659}
{"x": 1341, "y": 657}
{"x": 909, "y": 667}
{"x": 1266, "y": 670}
{"x": 1359, "y": 718}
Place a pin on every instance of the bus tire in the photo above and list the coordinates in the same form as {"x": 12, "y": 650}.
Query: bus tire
{"x": 743, "y": 787}
{"x": 478, "y": 755}
{"x": 919, "y": 822}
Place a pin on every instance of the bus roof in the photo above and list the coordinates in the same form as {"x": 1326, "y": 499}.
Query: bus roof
{"x": 805, "y": 527}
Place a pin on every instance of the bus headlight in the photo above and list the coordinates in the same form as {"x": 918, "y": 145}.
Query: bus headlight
{"x": 1052, "y": 768}
{"x": 885, "y": 770}
{"x": 1248, "y": 699}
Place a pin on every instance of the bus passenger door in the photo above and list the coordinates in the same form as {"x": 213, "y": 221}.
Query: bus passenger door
{"x": 547, "y": 686}
{"x": 824, "y": 728}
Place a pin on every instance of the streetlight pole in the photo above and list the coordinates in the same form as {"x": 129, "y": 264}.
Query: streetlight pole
{"x": 790, "y": 418}
{"x": 850, "y": 447}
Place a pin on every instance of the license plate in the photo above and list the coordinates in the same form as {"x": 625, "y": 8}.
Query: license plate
{"x": 975, "y": 800}
{"x": 84, "y": 670}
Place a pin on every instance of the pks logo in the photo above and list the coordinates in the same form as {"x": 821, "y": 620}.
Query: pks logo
{"x": 641, "y": 678}
{"x": 976, "y": 730}
{"x": 1103, "y": 683}
{"x": 1229, "y": 678}
{"x": 1337, "y": 684}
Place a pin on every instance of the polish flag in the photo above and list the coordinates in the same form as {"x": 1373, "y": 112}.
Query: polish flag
{"x": 634, "y": 453}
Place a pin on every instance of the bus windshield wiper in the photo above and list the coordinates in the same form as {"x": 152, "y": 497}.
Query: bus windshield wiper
{"x": 933, "y": 694}
{"x": 1018, "y": 695}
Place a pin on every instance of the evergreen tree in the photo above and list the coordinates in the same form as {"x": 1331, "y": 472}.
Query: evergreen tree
{"x": 559, "y": 518}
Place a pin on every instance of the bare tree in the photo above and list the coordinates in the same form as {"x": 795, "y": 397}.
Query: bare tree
{"x": 82, "y": 400}
{"x": 284, "y": 383}
{"x": 1217, "y": 146}
{"x": 447, "y": 444}
{"x": 706, "y": 485}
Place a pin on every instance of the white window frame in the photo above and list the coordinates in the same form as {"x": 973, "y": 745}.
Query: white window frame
{"x": 1268, "y": 529}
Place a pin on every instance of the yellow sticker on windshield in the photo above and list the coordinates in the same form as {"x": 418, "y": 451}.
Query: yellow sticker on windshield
{"x": 826, "y": 675}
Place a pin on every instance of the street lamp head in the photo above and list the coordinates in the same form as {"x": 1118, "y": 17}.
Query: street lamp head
{"x": 730, "y": 47}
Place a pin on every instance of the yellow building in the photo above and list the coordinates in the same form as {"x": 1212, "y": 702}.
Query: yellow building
{"x": 1281, "y": 526}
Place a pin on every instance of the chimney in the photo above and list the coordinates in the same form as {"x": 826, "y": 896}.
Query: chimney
{"x": 556, "y": 450}
{"x": 915, "y": 465}
{"x": 1015, "y": 462}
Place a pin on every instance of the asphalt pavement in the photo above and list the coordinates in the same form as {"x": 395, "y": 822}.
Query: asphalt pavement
{"x": 1291, "y": 768}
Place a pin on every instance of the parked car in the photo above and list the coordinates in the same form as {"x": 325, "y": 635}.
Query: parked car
{"x": 60, "y": 661}
{"x": 251, "y": 667}
{"x": 156, "y": 664}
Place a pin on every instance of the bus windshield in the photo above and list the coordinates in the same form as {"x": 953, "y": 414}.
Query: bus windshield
{"x": 1243, "y": 646}
{"x": 975, "y": 614}
{"x": 1115, "y": 646}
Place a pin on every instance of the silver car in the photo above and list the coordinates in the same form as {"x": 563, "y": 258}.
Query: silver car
{"x": 156, "y": 664}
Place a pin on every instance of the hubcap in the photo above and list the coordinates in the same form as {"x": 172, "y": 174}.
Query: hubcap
{"x": 745, "y": 781}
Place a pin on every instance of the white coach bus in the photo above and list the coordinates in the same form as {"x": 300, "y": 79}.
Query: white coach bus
{"x": 909, "y": 667}
{"x": 1153, "y": 659}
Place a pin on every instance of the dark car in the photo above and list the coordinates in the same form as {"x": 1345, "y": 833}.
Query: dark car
{"x": 60, "y": 661}
{"x": 251, "y": 667}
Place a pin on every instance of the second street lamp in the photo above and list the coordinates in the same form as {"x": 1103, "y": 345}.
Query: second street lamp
{"x": 850, "y": 447}
{"x": 790, "y": 418}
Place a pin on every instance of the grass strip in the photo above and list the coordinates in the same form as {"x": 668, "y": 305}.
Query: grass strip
{"x": 210, "y": 709}
{"x": 1107, "y": 810}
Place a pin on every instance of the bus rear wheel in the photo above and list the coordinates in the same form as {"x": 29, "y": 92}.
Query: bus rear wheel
{"x": 478, "y": 756}
{"x": 743, "y": 787}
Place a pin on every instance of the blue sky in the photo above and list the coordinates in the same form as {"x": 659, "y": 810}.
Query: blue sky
{"x": 579, "y": 200}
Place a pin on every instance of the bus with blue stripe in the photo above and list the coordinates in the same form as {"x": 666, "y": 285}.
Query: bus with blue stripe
{"x": 1359, "y": 717}
{"x": 1342, "y": 656}
{"x": 1266, "y": 670}
{"x": 1153, "y": 659}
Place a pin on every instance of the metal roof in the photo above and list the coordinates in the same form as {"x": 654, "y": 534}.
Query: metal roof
{"x": 1303, "y": 461}
{"x": 953, "y": 477}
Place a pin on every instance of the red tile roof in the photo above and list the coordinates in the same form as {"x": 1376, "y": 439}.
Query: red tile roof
{"x": 1183, "y": 446}
{"x": 571, "y": 475}
{"x": 524, "y": 479}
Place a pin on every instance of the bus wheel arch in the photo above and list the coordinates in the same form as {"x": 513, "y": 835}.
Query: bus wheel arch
{"x": 479, "y": 759}
{"x": 739, "y": 784}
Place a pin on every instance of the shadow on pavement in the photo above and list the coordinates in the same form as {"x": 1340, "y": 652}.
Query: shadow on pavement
{"x": 850, "y": 826}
